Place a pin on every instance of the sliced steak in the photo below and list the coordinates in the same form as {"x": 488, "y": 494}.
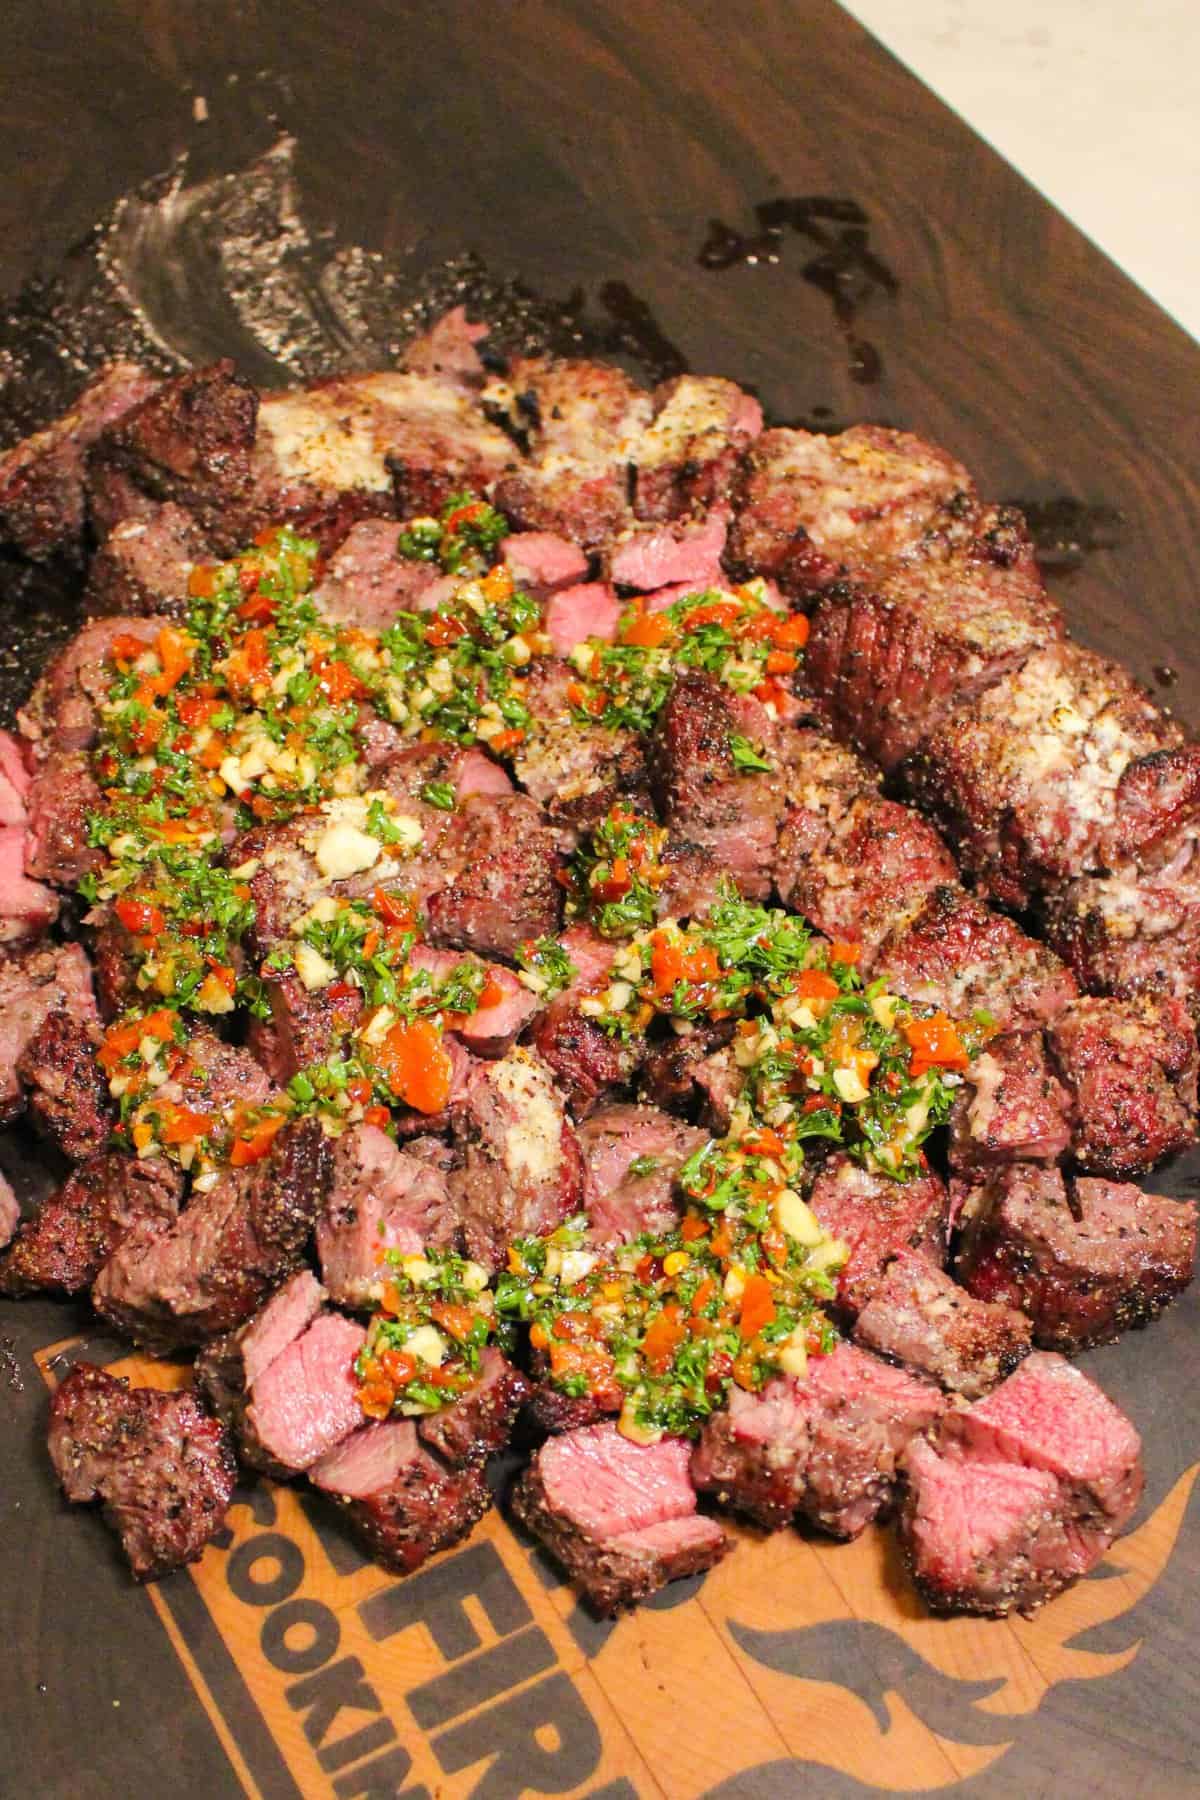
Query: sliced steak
{"x": 1020, "y": 1495}
{"x": 920, "y": 1318}
{"x": 685, "y": 553}
{"x": 42, "y": 511}
{"x": 381, "y": 1198}
{"x": 620, "y": 1517}
{"x": 958, "y": 955}
{"x": 521, "y": 1169}
{"x": 34, "y": 983}
{"x": 504, "y": 889}
{"x": 402, "y": 1502}
{"x": 305, "y": 1025}
{"x": 492, "y": 1029}
{"x": 811, "y": 507}
{"x": 63, "y": 1246}
{"x": 209, "y": 1271}
{"x": 66, "y": 1091}
{"x": 688, "y": 456}
{"x": 892, "y": 651}
{"x": 480, "y": 1423}
{"x": 1084, "y": 1263}
{"x": 676, "y": 1070}
{"x": 1012, "y": 1106}
{"x": 367, "y": 582}
{"x": 1029, "y": 780}
{"x": 227, "y": 1367}
{"x": 825, "y": 1446}
{"x": 1130, "y": 1067}
{"x": 27, "y": 908}
{"x": 305, "y": 1401}
{"x": 591, "y": 609}
{"x": 631, "y": 1157}
{"x": 143, "y": 565}
{"x": 543, "y": 563}
{"x": 162, "y": 1468}
{"x": 877, "y": 1216}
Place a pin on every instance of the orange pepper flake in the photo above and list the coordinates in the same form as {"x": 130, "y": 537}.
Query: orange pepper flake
{"x": 758, "y": 1307}
{"x": 672, "y": 961}
{"x": 791, "y": 632}
{"x": 845, "y": 952}
{"x": 815, "y": 984}
{"x": 693, "y": 1228}
{"x": 140, "y": 917}
{"x": 935, "y": 1044}
{"x": 649, "y": 631}
{"x": 416, "y": 1065}
{"x": 507, "y": 740}
{"x": 253, "y": 1145}
{"x": 181, "y": 1125}
{"x": 376, "y": 1115}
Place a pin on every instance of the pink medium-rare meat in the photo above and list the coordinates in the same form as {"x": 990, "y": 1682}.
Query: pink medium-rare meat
{"x": 687, "y": 550}
{"x": 588, "y": 610}
{"x": 143, "y": 565}
{"x": 62, "y": 1247}
{"x": 210, "y": 1270}
{"x": 285, "y": 1317}
{"x": 42, "y": 510}
{"x": 66, "y": 1091}
{"x": 227, "y": 1367}
{"x": 623, "y": 1200}
{"x": 10, "y": 1212}
{"x": 958, "y": 955}
{"x": 1012, "y": 1106}
{"x": 56, "y": 845}
{"x": 306, "y": 1400}
{"x": 921, "y": 1318}
{"x": 688, "y": 456}
{"x": 1084, "y": 1263}
{"x": 587, "y": 1062}
{"x": 35, "y": 982}
{"x": 812, "y": 507}
{"x": 304, "y": 1027}
{"x": 381, "y": 1199}
{"x": 162, "y": 1468}
{"x": 891, "y": 651}
{"x": 401, "y": 1501}
{"x": 1028, "y": 780}
{"x": 619, "y": 1517}
{"x": 447, "y": 352}
{"x": 581, "y": 421}
{"x": 823, "y": 1446}
{"x": 575, "y": 771}
{"x": 1130, "y": 1068}
{"x": 704, "y": 797}
{"x": 1022, "y": 1493}
{"x": 1133, "y": 929}
{"x": 27, "y": 907}
{"x": 479, "y": 1423}
{"x": 367, "y": 582}
{"x": 491, "y": 1029}
{"x": 875, "y": 1217}
{"x": 62, "y": 712}
{"x": 521, "y": 1169}
{"x": 543, "y": 563}
{"x": 14, "y": 781}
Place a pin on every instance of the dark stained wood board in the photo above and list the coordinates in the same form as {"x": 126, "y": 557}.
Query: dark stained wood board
{"x": 579, "y": 143}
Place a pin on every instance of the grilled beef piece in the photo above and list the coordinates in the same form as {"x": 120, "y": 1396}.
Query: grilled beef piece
{"x": 367, "y": 582}
{"x": 581, "y": 421}
{"x": 1084, "y": 1263}
{"x": 66, "y": 1090}
{"x": 10, "y": 1212}
{"x": 190, "y": 441}
{"x": 504, "y": 889}
{"x": 631, "y": 1156}
{"x": 703, "y": 796}
{"x": 1030, "y": 780}
{"x": 923, "y": 1320}
{"x": 215, "y": 1076}
{"x": 1135, "y": 928}
{"x": 35, "y": 982}
{"x": 521, "y": 1171}
{"x": 1020, "y": 1495}
{"x": 913, "y": 636}
{"x": 143, "y": 565}
{"x": 63, "y": 795}
{"x": 958, "y": 955}
{"x": 446, "y": 351}
{"x": 162, "y": 1468}
{"x": 676, "y": 1072}
{"x": 825, "y": 1446}
{"x": 492, "y": 1029}
{"x": 27, "y": 908}
{"x": 685, "y": 553}
{"x": 576, "y": 771}
{"x": 1130, "y": 1066}
{"x": 1012, "y": 1107}
{"x": 688, "y": 456}
{"x": 876, "y": 1217}
{"x": 620, "y": 1517}
{"x": 42, "y": 511}
{"x": 401, "y": 1501}
{"x": 381, "y": 1198}
{"x": 305, "y": 1025}
{"x": 63, "y": 1246}
{"x": 543, "y": 563}
{"x": 305, "y": 1401}
{"x": 62, "y": 712}
{"x": 588, "y": 1062}
{"x": 227, "y": 1367}
{"x": 481, "y": 1421}
{"x": 209, "y": 1271}
{"x": 812, "y": 507}
{"x": 589, "y": 609}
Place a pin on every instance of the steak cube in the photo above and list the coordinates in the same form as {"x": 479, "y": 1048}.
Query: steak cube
{"x": 63, "y": 1247}
{"x": 958, "y": 955}
{"x": 876, "y": 1216}
{"x": 1133, "y": 929}
{"x": 684, "y": 554}
{"x": 161, "y": 1466}
{"x": 922, "y": 1319}
{"x": 1012, "y": 1107}
{"x": 367, "y": 582}
{"x": 587, "y": 1062}
{"x": 143, "y": 565}
{"x": 1130, "y": 1066}
{"x": 688, "y": 456}
{"x": 504, "y": 887}
{"x": 227, "y": 1367}
{"x": 576, "y": 771}
{"x": 478, "y": 1424}
{"x": 305, "y": 1401}
{"x": 62, "y": 713}
{"x": 1085, "y": 1264}
{"x": 66, "y": 1090}
{"x": 399, "y": 1499}
{"x": 620, "y": 1517}
{"x": 381, "y": 1198}
{"x": 34, "y": 982}
{"x": 631, "y": 1156}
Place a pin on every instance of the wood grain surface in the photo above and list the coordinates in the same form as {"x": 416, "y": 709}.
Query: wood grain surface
{"x": 578, "y": 143}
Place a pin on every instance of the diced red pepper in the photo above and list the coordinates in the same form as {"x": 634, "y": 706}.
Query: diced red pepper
{"x": 140, "y": 917}
{"x": 758, "y": 1307}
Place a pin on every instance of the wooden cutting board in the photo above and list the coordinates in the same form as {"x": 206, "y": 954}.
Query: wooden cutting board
{"x": 583, "y": 144}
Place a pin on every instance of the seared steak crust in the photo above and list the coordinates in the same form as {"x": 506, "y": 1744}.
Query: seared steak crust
{"x": 63, "y": 1246}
